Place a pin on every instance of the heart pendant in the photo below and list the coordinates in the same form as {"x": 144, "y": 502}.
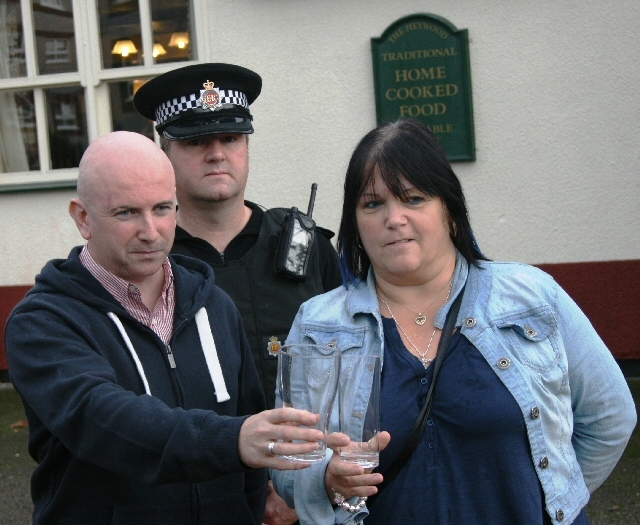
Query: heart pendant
{"x": 421, "y": 319}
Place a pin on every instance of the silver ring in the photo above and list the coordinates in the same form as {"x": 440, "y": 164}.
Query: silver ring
{"x": 270, "y": 447}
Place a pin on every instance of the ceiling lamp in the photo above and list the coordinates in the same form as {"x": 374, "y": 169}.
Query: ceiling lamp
{"x": 158, "y": 50}
{"x": 124, "y": 48}
{"x": 179, "y": 40}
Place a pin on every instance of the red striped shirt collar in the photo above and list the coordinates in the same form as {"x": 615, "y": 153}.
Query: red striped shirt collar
{"x": 160, "y": 319}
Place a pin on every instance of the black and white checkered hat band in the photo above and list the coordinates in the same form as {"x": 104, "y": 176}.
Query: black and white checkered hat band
{"x": 172, "y": 107}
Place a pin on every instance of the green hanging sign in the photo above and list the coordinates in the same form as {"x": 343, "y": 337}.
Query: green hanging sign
{"x": 421, "y": 70}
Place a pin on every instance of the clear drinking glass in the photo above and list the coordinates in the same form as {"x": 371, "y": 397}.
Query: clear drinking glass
{"x": 308, "y": 380}
{"x": 359, "y": 408}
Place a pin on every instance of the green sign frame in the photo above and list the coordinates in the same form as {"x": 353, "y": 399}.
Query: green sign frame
{"x": 421, "y": 69}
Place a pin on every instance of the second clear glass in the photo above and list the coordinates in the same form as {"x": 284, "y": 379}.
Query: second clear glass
{"x": 359, "y": 408}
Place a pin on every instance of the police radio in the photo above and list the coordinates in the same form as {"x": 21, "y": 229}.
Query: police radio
{"x": 296, "y": 239}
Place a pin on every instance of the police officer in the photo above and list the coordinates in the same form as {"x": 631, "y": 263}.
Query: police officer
{"x": 203, "y": 118}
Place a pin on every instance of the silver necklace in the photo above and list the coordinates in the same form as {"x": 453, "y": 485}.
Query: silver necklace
{"x": 420, "y": 317}
{"x": 423, "y": 355}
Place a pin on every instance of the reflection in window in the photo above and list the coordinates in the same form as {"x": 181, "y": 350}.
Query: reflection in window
{"x": 120, "y": 25}
{"x": 12, "y": 60}
{"x": 66, "y": 116}
{"x": 120, "y": 22}
{"x": 124, "y": 115}
{"x": 18, "y": 137}
{"x": 54, "y": 4}
{"x": 56, "y": 51}
{"x": 55, "y": 36}
{"x": 67, "y": 120}
{"x": 172, "y": 30}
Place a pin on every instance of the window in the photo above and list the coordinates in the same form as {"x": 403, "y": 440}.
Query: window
{"x": 54, "y": 4}
{"x": 56, "y": 50}
{"x": 55, "y": 42}
{"x": 55, "y": 98}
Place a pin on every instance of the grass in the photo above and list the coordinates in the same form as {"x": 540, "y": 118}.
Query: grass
{"x": 15, "y": 463}
{"x": 616, "y": 502}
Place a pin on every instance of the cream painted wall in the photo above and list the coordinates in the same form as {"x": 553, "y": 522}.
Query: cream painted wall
{"x": 556, "y": 108}
{"x": 36, "y": 228}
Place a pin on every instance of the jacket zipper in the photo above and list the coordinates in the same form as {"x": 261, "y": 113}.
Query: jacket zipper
{"x": 172, "y": 361}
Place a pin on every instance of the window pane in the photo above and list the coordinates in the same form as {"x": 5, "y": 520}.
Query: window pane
{"x": 55, "y": 4}
{"x": 67, "y": 120}
{"x": 18, "y": 137}
{"x": 120, "y": 34}
{"x": 124, "y": 115}
{"x": 55, "y": 36}
{"x": 12, "y": 60}
{"x": 172, "y": 35}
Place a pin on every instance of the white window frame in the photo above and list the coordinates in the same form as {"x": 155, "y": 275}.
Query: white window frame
{"x": 91, "y": 77}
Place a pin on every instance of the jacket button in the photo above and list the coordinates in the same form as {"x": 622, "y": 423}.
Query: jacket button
{"x": 504, "y": 363}
{"x": 531, "y": 333}
{"x": 332, "y": 344}
{"x": 560, "y": 515}
{"x": 535, "y": 412}
{"x": 544, "y": 462}
{"x": 470, "y": 322}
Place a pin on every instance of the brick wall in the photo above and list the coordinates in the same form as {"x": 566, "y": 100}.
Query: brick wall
{"x": 9, "y": 297}
{"x": 609, "y": 294}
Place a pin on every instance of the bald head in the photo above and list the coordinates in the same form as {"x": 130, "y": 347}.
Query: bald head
{"x": 125, "y": 207}
{"x": 115, "y": 156}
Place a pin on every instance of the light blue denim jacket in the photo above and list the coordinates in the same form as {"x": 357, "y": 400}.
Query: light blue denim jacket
{"x": 576, "y": 404}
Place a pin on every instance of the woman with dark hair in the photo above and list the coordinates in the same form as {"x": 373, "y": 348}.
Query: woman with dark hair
{"x": 529, "y": 412}
{"x": 404, "y": 154}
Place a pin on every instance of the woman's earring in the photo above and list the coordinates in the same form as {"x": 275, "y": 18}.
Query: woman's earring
{"x": 454, "y": 227}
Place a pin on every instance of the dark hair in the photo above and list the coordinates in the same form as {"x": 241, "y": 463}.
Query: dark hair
{"x": 401, "y": 150}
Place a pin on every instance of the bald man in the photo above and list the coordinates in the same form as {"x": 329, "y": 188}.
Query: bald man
{"x": 134, "y": 370}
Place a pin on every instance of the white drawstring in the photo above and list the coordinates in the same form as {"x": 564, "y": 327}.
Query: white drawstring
{"x": 211, "y": 355}
{"x": 208, "y": 348}
{"x": 132, "y": 350}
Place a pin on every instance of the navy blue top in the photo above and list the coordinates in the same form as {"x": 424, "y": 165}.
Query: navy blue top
{"x": 473, "y": 464}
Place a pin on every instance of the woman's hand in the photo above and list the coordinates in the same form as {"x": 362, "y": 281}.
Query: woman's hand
{"x": 350, "y": 479}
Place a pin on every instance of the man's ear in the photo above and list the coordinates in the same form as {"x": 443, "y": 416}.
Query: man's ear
{"x": 79, "y": 214}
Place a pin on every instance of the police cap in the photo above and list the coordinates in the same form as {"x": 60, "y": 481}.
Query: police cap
{"x": 200, "y": 100}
